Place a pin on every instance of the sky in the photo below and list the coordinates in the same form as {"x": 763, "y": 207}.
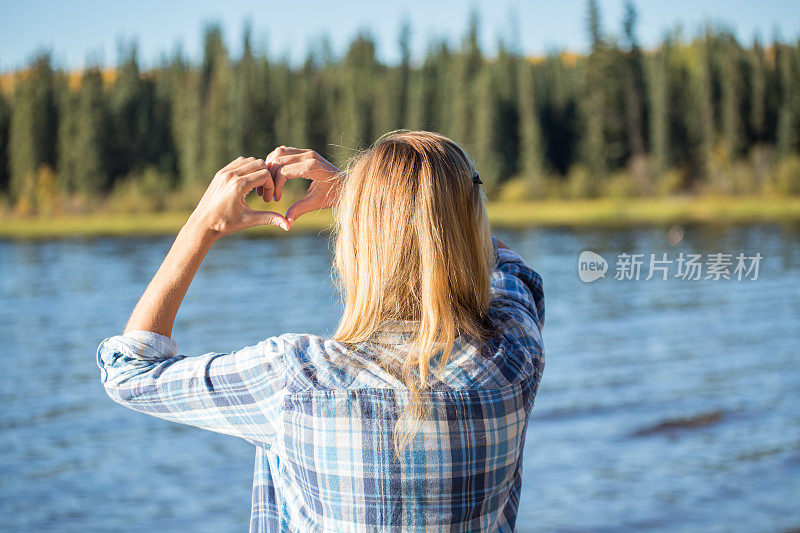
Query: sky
{"x": 88, "y": 31}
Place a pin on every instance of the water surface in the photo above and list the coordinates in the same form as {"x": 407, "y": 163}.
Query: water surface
{"x": 665, "y": 405}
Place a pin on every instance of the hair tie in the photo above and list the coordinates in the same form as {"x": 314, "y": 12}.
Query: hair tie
{"x": 477, "y": 179}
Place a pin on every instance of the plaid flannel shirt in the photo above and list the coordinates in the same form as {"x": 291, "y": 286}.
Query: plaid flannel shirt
{"x": 321, "y": 416}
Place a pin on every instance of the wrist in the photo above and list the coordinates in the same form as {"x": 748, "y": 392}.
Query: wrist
{"x": 199, "y": 232}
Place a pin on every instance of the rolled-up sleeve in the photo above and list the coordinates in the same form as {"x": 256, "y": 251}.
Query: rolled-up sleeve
{"x": 238, "y": 393}
{"x": 517, "y": 287}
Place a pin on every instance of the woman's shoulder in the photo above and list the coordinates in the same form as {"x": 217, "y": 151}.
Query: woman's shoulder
{"x": 320, "y": 363}
{"x": 316, "y": 362}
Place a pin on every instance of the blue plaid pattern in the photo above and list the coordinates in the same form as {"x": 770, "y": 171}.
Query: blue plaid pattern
{"x": 321, "y": 416}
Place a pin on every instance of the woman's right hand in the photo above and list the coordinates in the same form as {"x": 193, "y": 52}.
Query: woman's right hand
{"x": 286, "y": 163}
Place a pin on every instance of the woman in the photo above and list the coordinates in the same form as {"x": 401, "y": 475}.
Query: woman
{"x": 413, "y": 416}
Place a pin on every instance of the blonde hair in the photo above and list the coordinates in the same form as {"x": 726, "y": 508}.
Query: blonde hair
{"x": 413, "y": 245}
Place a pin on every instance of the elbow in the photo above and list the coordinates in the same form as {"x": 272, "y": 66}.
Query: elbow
{"x": 117, "y": 372}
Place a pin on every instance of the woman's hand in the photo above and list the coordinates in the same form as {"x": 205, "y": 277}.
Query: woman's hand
{"x": 222, "y": 209}
{"x": 286, "y": 163}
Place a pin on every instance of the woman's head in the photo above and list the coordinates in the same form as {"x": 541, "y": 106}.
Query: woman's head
{"x": 413, "y": 244}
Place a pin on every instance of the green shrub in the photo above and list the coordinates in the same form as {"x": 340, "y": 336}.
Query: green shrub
{"x": 670, "y": 182}
{"x": 517, "y": 190}
{"x": 787, "y": 175}
{"x": 580, "y": 182}
{"x": 143, "y": 193}
{"x": 620, "y": 184}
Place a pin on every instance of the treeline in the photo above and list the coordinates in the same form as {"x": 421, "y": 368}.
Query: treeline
{"x": 690, "y": 116}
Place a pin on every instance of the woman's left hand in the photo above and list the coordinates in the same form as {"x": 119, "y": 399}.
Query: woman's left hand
{"x": 288, "y": 163}
{"x": 223, "y": 210}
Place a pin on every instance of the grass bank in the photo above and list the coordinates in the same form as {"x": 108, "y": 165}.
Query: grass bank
{"x": 567, "y": 213}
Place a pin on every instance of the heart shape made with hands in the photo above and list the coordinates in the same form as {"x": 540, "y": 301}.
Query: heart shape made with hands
{"x": 285, "y": 163}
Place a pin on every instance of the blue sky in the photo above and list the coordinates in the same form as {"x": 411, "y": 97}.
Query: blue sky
{"x": 88, "y": 31}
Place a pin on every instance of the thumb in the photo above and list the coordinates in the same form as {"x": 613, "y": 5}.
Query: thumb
{"x": 267, "y": 218}
{"x": 301, "y": 207}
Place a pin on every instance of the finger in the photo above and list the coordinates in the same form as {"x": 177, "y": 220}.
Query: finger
{"x": 284, "y": 150}
{"x": 259, "y": 178}
{"x": 262, "y": 181}
{"x": 233, "y": 164}
{"x": 268, "y": 190}
{"x": 282, "y": 162}
{"x": 293, "y": 157}
{"x": 278, "y": 181}
{"x": 239, "y": 162}
{"x": 250, "y": 165}
{"x": 266, "y": 218}
{"x": 301, "y": 207}
{"x": 301, "y": 169}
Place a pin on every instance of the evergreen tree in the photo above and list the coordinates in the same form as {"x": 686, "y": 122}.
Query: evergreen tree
{"x": 788, "y": 128}
{"x": 5, "y": 119}
{"x": 130, "y": 113}
{"x": 284, "y": 86}
{"x": 594, "y": 109}
{"x": 186, "y": 105}
{"x": 218, "y": 143}
{"x": 318, "y": 108}
{"x": 731, "y": 106}
{"x": 357, "y": 105}
{"x": 245, "y": 126}
{"x": 460, "y": 93}
{"x": 428, "y": 103}
{"x": 758, "y": 92}
{"x": 531, "y": 147}
{"x": 82, "y": 162}
{"x": 659, "y": 96}
{"x": 558, "y": 87}
{"x": 486, "y": 153}
{"x": 33, "y": 124}
{"x": 705, "y": 98}
{"x": 690, "y": 107}
{"x": 392, "y": 88}
{"x": 505, "y": 71}
{"x": 634, "y": 84}
{"x": 400, "y": 118}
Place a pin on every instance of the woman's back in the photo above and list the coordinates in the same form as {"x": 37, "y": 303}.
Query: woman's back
{"x": 322, "y": 416}
{"x": 412, "y": 417}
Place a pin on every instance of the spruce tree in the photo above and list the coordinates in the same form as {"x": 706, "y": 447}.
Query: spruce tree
{"x": 130, "y": 116}
{"x": 659, "y": 102}
{"x": 593, "y": 101}
{"x": 5, "y": 119}
{"x": 706, "y": 128}
{"x": 788, "y": 135}
{"x": 531, "y": 146}
{"x": 33, "y": 124}
{"x": 461, "y": 88}
{"x": 186, "y": 107}
{"x": 218, "y": 143}
{"x": 82, "y": 139}
{"x": 486, "y": 152}
{"x": 634, "y": 84}
{"x": 758, "y": 92}
{"x": 732, "y": 86}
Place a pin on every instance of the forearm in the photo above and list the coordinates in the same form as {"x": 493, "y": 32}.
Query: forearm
{"x": 162, "y": 298}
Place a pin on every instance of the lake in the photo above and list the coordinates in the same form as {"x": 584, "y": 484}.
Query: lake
{"x": 666, "y": 405}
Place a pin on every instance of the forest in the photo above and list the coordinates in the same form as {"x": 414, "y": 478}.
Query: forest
{"x": 695, "y": 115}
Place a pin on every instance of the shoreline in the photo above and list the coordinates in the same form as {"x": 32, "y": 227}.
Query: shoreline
{"x": 603, "y": 212}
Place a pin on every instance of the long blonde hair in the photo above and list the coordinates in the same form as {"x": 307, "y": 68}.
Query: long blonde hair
{"x": 413, "y": 245}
